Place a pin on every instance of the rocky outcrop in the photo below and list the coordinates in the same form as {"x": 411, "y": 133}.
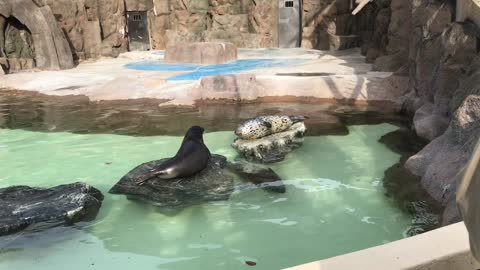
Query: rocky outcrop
{"x": 62, "y": 31}
{"x": 201, "y": 53}
{"x": 94, "y": 28}
{"x": 395, "y": 39}
{"x": 244, "y": 23}
{"x": 23, "y": 206}
{"x": 51, "y": 49}
{"x": 440, "y": 162}
{"x": 272, "y": 148}
{"x": 259, "y": 175}
{"x": 428, "y": 123}
{"x": 443, "y": 68}
{"x": 328, "y": 25}
{"x": 211, "y": 184}
{"x": 446, "y": 81}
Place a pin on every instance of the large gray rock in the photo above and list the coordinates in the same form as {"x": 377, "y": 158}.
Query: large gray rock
{"x": 441, "y": 161}
{"x": 459, "y": 43}
{"x": 398, "y": 36}
{"x": 428, "y": 123}
{"x": 201, "y": 53}
{"x": 95, "y": 27}
{"x": 469, "y": 85}
{"x": 429, "y": 19}
{"x": 211, "y": 184}
{"x": 52, "y": 50}
{"x": 271, "y": 148}
{"x": 391, "y": 62}
{"x": 446, "y": 80}
{"x": 400, "y": 27}
{"x": 23, "y": 206}
{"x": 113, "y": 22}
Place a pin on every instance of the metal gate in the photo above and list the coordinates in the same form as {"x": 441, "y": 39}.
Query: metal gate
{"x": 289, "y": 23}
{"x": 138, "y": 37}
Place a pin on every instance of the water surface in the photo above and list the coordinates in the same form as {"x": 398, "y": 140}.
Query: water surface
{"x": 336, "y": 201}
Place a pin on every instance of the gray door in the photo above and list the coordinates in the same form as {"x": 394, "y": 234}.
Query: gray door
{"x": 138, "y": 37}
{"x": 289, "y": 23}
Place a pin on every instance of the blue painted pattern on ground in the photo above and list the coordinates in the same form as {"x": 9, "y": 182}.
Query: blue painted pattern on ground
{"x": 156, "y": 65}
{"x": 198, "y": 71}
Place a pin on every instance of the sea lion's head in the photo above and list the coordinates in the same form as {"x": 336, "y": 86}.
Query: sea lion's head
{"x": 195, "y": 133}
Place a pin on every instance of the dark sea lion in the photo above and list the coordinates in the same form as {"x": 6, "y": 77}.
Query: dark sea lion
{"x": 191, "y": 158}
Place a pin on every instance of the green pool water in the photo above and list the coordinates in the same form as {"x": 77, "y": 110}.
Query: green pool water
{"x": 335, "y": 203}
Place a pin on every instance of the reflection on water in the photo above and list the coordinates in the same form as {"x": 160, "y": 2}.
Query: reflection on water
{"x": 335, "y": 202}
{"x": 25, "y": 110}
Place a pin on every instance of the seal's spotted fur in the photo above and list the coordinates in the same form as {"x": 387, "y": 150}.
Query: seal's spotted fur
{"x": 265, "y": 125}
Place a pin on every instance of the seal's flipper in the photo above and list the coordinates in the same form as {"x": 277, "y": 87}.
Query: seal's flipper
{"x": 141, "y": 179}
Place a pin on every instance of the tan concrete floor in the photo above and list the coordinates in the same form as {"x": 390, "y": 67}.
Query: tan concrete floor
{"x": 446, "y": 248}
{"x": 344, "y": 75}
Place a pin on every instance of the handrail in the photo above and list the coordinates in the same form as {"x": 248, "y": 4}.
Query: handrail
{"x": 362, "y": 4}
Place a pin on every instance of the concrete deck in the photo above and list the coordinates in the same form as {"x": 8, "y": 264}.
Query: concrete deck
{"x": 446, "y": 248}
{"x": 330, "y": 76}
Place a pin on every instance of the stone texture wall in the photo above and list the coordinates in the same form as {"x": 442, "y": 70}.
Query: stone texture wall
{"x": 445, "y": 86}
{"x": 33, "y": 38}
{"x": 245, "y": 23}
{"x": 441, "y": 57}
{"x": 98, "y": 27}
{"x": 18, "y": 47}
{"x": 329, "y": 25}
{"x": 94, "y": 27}
{"x": 51, "y": 34}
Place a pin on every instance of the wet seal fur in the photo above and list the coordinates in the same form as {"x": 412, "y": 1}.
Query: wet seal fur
{"x": 191, "y": 158}
{"x": 262, "y": 126}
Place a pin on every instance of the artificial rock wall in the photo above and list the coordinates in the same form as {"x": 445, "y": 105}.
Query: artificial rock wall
{"x": 245, "y": 23}
{"x": 52, "y": 34}
{"x": 330, "y": 25}
{"x": 441, "y": 57}
{"x": 94, "y": 27}
{"x": 30, "y": 37}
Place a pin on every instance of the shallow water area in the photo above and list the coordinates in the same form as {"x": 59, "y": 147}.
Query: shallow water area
{"x": 334, "y": 196}
{"x": 335, "y": 200}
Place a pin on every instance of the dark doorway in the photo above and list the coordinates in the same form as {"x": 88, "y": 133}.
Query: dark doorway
{"x": 138, "y": 37}
{"x": 289, "y": 23}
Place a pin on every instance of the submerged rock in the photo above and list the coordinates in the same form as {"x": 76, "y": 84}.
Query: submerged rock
{"x": 271, "y": 148}
{"x": 23, "y": 206}
{"x": 210, "y": 184}
{"x": 259, "y": 175}
{"x": 423, "y": 219}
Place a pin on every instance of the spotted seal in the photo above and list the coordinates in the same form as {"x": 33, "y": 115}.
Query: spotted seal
{"x": 191, "y": 158}
{"x": 262, "y": 126}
